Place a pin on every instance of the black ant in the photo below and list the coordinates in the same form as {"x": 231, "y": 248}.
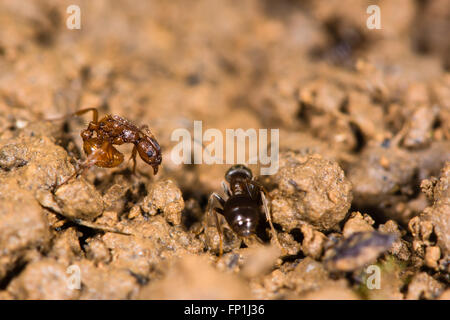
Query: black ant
{"x": 101, "y": 135}
{"x": 242, "y": 209}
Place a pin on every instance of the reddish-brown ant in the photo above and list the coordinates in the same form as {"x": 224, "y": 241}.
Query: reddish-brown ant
{"x": 101, "y": 135}
{"x": 242, "y": 209}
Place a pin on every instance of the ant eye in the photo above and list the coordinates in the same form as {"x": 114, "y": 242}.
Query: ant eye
{"x": 149, "y": 153}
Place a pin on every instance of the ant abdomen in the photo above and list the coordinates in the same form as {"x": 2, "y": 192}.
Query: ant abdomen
{"x": 242, "y": 214}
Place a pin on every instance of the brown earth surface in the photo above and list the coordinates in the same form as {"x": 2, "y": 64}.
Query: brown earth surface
{"x": 364, "y": 163}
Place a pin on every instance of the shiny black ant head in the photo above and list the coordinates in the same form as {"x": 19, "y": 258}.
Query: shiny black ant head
{"x": 150, "y": 152}
{"x": 240, "y": 171}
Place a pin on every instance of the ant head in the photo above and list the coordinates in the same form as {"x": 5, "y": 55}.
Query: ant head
{"x": 150, "y": 152}
{"x": 238, "y": 170}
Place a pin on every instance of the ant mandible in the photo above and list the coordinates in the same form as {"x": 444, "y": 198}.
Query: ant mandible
{"x": 101, "y": 135}
{"x": 242, "y": 209}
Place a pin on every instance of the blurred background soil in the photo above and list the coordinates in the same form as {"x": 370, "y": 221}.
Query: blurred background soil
{"x": 364, "y": 120}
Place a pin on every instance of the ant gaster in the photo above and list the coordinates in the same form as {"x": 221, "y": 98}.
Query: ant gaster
{"x": 101, "y": 135}
{"x": 242, "y": 209}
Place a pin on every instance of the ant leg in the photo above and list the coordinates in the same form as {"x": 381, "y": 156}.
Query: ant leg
{"x": 83, "y": 111}
{"x": 90, "y": 161}
{"x": 214, "y": 211}
{"x": 218, "y": 198}
{"x": 220, "y": 231}
{"x": 254, "y": 187}
{"x": 78, "y": 113}
{"x": 133, "y": 157}
{"x": 269, "y": 219}
{"x": 252, "y": 190}
{"x": 226, "y": 189}
{"x": 81, "y": 170}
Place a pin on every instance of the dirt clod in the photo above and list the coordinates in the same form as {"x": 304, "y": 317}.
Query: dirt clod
{"x": 164, "y": 197}
{"x": 45, "y": 279}
{"x": 424, "y": 286}
{"x": 310, "y": 189}
{"x": 23, "y": 226}
{"x": 79, "y": 200}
